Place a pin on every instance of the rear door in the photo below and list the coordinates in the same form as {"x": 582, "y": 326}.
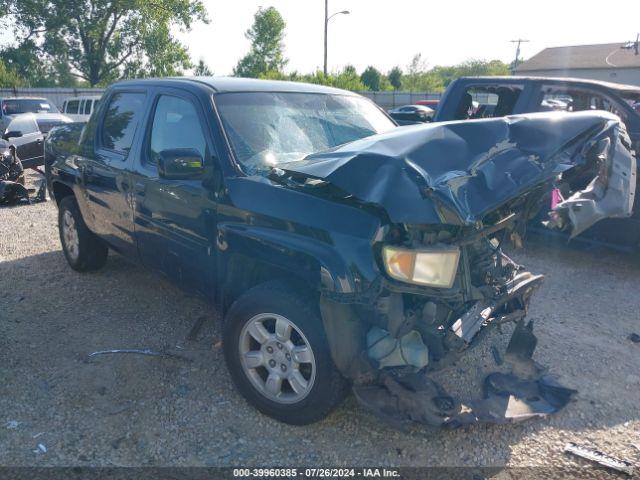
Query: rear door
{"x": 105, "y": 170}
{"x": 175, "y": 219}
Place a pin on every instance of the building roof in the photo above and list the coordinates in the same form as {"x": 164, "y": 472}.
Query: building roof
{"x": 605, "y": 55}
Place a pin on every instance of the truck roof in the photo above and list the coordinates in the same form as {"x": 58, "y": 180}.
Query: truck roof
{"x": 236, "y": 84}
{"x": 556, "y": 80}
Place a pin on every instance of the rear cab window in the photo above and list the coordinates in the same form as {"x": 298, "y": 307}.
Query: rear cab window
{"x": 488, "y": 101}
{"x": 120, "y": 121}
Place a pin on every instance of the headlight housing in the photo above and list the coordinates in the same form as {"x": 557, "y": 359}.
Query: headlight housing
{"x": 435, "y": 267}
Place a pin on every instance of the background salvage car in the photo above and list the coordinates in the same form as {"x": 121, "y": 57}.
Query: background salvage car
{"x": 339, "y": 247}
{"x": 79, "y": 109}
{"x": 517, "y": 95}
{"x": 410, "y": 114}
{"x": 10, "y": 107}
{"x": 27, "y": 131}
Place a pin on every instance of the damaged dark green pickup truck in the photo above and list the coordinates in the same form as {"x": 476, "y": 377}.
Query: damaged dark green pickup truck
{"x": 342, "y": 250}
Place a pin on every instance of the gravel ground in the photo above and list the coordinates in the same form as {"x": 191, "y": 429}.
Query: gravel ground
{"x": 132, "y": 410}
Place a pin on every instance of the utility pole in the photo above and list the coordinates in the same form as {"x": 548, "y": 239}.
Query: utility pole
{"x": 633, "y": 45}
{"x": 515, "y": 62}
{"x": 326, "y": 23}
{"x": 328, "y": 17}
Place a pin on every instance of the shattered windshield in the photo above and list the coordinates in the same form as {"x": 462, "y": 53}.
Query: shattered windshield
{"x": 268, "y": 129}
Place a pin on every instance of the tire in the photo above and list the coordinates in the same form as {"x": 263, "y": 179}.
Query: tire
{"x": 83, "y": 249}
{"x": 269, "y": 304}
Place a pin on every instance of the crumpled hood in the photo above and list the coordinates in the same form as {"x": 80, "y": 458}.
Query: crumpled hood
{"x": 457, "y": 172}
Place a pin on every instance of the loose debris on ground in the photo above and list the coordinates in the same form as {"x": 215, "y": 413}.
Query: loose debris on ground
{"x": 599, "y": 457}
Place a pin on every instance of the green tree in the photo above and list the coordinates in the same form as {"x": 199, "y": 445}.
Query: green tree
{"x": 371, "y": 78}
{"x": 395, "y": 77}
{"x": 347, "y": 79}
{"x": 100, "y": 41}
{"x": 202, "y": 69}
{"x": 8, "y": 77}
{"x": 267, "y": 45}
{"x": 415, "y": 70}
{"x": 470, "y": 68}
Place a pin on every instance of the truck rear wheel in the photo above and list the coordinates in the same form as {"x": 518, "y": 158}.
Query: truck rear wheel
{"x": 82, "y": 248}
{"x": 278, "y": 356}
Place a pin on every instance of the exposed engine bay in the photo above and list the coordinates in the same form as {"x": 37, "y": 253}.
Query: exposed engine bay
{"x": 411, "y": 332}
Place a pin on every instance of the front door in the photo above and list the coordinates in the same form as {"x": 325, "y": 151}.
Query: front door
{"x": 175, "y": 219}
{"x": 105, "y": 170}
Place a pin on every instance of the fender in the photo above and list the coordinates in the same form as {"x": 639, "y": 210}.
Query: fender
{"x": 324, "y": 243}
{"x": 320, "y": 264}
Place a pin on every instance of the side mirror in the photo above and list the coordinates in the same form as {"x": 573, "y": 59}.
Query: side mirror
{"x": 12, "y": 134}
{"x": 180, "y": 164}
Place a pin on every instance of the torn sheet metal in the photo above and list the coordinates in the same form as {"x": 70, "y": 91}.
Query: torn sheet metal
{"x": 507, "y": 397}
{"x": 457, "y": 172}
{"x": 610, "y": 194}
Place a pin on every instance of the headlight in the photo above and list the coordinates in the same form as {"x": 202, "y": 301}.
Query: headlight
{"x": 433, "y": 268}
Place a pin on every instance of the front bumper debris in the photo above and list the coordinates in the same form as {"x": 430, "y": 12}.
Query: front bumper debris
{"x": 507, "y": 397}
{"x": 390, "y": 367}
{"x": 522, "y": 285}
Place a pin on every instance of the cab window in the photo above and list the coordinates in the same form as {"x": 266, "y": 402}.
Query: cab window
{"x": 576, "y": 100}
{"x": 175, "y": 125}
{"x": 72, "y": 106}
{"x": 121, "y": 119}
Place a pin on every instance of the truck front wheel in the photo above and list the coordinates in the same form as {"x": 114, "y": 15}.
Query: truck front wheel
{"x": 278, "y": 356}
{"x": 82, "y": 248}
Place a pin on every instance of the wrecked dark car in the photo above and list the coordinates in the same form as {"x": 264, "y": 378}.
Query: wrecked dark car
{"x": 502, "y": 96}
{"x": 27, "y": 131}
{"x": 341, "y": 249}
{"x": 12, "y": 189}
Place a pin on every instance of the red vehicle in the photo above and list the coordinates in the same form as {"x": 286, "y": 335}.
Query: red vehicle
{"x": 433, "y": 104}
